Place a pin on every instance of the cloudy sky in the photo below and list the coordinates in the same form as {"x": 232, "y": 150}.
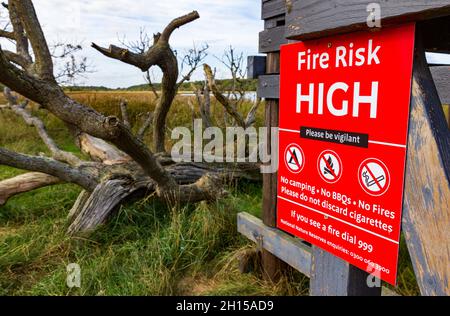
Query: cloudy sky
{"x": 222, "y": 23}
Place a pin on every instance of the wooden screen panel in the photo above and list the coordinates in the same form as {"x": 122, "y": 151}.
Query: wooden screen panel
{"x": 319, "y": 18}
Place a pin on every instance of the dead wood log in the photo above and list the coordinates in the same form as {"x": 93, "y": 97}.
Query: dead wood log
{"x": 25, "y": 183}
{"x": 126, "y": 167}
{"x": 78, "y": 205}
{"x": 82, "y": 177}
{"x": 198, "y": 181}
{"x": 99, "y": 150}
{"x": 96, "y": 208}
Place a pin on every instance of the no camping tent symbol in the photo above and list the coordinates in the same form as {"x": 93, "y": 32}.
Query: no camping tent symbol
{"x": 294, "y": 158}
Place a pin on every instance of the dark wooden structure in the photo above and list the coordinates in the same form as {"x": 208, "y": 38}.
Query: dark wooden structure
{"x": 426, "y": 215}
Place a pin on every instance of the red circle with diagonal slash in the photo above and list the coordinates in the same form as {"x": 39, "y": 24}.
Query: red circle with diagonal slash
{"x": 335, "y": 173}
{"x": 294, "y": 158}
{"x": 374, "y": 177}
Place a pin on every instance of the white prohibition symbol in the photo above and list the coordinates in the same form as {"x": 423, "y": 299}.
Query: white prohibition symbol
{"x": 374, "y": 177}
{"x": 329, "y": 166}
{"x": 294, "y": 158}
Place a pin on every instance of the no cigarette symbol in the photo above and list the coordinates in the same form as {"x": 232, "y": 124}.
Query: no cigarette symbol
{"x": 373, "y": 176}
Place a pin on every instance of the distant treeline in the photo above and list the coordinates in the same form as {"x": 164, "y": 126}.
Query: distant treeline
{"x": 226, "y": 84}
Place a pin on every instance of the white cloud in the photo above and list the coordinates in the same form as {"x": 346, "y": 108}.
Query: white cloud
{"x": 222, "y": 23}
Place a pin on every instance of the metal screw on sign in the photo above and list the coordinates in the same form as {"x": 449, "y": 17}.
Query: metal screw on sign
{"x": 330, "y": 45}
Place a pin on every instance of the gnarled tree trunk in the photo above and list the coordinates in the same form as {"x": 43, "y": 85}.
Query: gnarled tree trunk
{"x": 122, "y": 167}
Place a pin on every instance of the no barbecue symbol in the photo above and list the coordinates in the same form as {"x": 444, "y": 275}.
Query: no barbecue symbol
{"x": 373, "y": 176}
{"x": 294, "y": 158}
{"x": 329, "y": 166}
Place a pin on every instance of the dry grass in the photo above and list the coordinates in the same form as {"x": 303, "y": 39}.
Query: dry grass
{"x": 145, "y": 250}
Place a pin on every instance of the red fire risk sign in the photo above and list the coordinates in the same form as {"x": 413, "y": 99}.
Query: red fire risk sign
{"x": 344, "y": 108}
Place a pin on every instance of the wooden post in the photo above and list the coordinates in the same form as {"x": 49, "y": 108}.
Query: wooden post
{"x": 427, "y": 185}
{"x": 331, "y": 276}
{"x": 426, "y": 215}
{"x": 272, "y": 266}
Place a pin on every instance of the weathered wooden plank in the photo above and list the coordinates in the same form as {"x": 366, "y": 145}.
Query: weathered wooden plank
{"x": 256, "y": 66}
{"x": 269, "y": 87}
{"x": 270, "y": 40}
{"x": 274, "y": 22}
{"x": 272, "y": 266}
{"x": 289, "y": 249}
{"x": 441, "y": 77}
{"x": 272, "y": 8}
{"x": 447, "y": 113}
{"x": 331, "y": 276}
{"x": 426, "y": 215}
{"x": 282, "y": 245}
{"x": 319, "y": 18}
{"x": 273, "y": 63}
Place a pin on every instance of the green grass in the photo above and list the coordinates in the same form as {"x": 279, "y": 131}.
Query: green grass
{"x": 146, "y": 249}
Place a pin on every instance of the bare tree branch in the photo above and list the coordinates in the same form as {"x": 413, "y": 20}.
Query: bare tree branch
{"x": 53, "y": 98}
{"x": 192, "y": 59}
{"x": 204, "y": 104}
{"x": 57, "y": 153}
{"x": 221, "y": 98}
{"x": 235, "y": 64}
{"x": 6, "y": 34}
{"x": 43, "y": 63}
{"x": 124, "y": 111}
{"x": 150, "y": 83}
{"x": 251, "y": 116}
{"x": 24, "y": 183}
{"x": 22, "y": 46}
{"x": 17, "y": 59}
{"x": 178, "y": 22}
{"x": 48, "y": 166}
{"x": 126, "y": 56}
{"x": 159, "y": 54}
{"x": 99, "y": 150}
{"x": 138, "y": 164}
{"x": 140, "y": 134}
{"x": 140, "y": 46}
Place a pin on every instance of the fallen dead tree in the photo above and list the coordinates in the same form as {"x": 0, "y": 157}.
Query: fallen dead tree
{"x": 122, "y": 167}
